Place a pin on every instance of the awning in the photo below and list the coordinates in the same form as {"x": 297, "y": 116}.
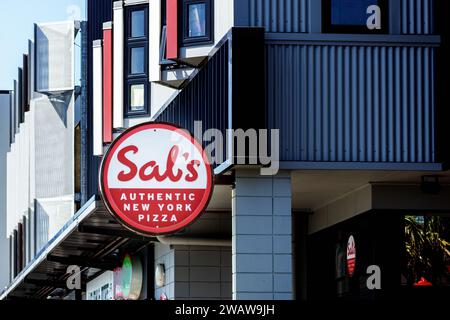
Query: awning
{"x": 92, "y": 240}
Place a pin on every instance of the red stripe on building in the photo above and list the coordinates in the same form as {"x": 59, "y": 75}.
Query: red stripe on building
{"x": 172, "y": 29}
{"x": 107, "y": 86}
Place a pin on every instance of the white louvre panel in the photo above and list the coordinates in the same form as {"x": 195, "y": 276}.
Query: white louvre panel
{"x": 54, "y": 57}
{"x": 31, "y": 205}
{"x": 53, "y": 163}
{"x": 54, "y": 146}
{"x": 118, "y": 56}
{"x": 28, "y": 201}
{"x": 25, "y": 180}
{"x": 154, "y": 39}
{"x": 97, "y": 97}
{"x": 18, "y": 176}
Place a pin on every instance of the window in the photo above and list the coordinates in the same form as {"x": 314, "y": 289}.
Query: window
{"x": 197, "y": 25}
{"x": 137, "y": 97}
{"x": 136, "y": 61}
{"x": 196, "y": 20}
{"x": 426, "y": 260}
{"x": 138, "y": 24}
{"x": 351, "y": 16}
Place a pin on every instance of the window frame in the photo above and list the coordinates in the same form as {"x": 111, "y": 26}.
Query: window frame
{"x": 328, "y": 27}
{"x": 128, "y": 96}
{"x": 208, "y": 38}
{"x": 141, "y": 78}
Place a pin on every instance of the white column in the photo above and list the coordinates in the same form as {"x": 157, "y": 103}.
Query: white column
{"x": 262, "y": 237}
{"x": 154, "y": 40}
{"x": 118, "y": 64}
{"x": 97, "y": 85}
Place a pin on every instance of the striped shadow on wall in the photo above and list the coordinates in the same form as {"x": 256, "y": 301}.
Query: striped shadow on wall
{"x": 417, "y": 16}
{"x": 352, "y": 103}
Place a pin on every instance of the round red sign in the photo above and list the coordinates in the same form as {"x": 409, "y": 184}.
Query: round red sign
{"x": 156, "y": 178}
{"x": 351, "y": 255}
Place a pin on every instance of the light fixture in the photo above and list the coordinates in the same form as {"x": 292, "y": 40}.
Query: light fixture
{"x": 160, "y": 275}
{"x": 430, "y": 185}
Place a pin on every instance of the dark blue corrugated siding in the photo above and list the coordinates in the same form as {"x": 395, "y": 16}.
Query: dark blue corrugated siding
{"x": 280, "y": 15}
{"x": 295, "y": 15}
{"x": 99, "y": 11}
{"x": 352, "y": 103}
{"x": 205, "y": 98}
{"x": 417, "y": 16}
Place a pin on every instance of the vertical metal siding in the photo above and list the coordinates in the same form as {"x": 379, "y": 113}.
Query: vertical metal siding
{"x": 98, "y": 12}
{"x": 205, "y": 98}
{"x": 280, "y": 15}
{"x": 352, "y": 103}
{"x": 417, "y": 16}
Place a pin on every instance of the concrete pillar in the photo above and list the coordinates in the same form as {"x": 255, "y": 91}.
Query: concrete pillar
{"x": 262, "y": 237}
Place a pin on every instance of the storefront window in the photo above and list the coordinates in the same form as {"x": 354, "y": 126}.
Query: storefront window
{"x": 427, "y": 251}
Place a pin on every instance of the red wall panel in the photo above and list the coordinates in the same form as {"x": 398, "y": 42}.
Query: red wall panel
{"x": 107, "y": 86}
{"x": 172, "y": 29}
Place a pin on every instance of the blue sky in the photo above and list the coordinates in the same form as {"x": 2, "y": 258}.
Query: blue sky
{"x": 16, "y": 27}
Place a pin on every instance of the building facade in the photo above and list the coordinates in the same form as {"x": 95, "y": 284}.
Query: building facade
{"x": 355, "y": 92}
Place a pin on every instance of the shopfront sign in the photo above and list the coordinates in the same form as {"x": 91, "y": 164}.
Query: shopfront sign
{"x": 156, "y": 179}
{"x": 128, "y": 279}
{"x": 351, "y": 256}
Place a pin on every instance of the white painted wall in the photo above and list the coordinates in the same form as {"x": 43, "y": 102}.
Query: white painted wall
{"x": 97, "y": 84}
{"x": 118, "y": 63}
{"x": 154, "y": 21}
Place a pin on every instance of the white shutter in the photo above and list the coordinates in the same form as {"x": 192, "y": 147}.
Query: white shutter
{"x": 97, "y": 94}
{"x": 54, "y": 56}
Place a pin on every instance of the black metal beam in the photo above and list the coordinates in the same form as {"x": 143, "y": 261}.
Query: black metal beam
{"x": 46, "y": 283}
{"x": 77, "y": 248}
{"x": 122, "y": 233}
{"x": 83, "y": 262}
{"x": 224, "y": 180}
